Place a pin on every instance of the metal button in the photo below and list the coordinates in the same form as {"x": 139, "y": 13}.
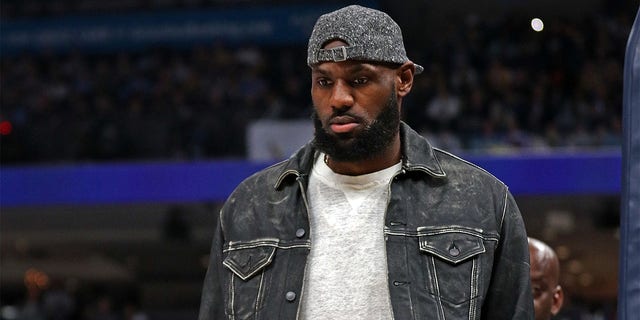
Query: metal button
{"x": 300, "y": 233}
{"x": 290, "y": 296}
{"x": 454, "y": 251}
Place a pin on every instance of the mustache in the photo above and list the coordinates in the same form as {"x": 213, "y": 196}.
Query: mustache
{"x": 338, "y": 112}
{"x": 344, "y": 112}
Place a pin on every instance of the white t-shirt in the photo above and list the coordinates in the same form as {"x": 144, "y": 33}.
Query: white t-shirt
{"x": 346, "y": 275}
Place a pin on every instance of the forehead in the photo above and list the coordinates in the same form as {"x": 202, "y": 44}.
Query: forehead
{"x": 537, "y": 256}
{"x": 540, "y": 264}
{"x": 351, "y": 67}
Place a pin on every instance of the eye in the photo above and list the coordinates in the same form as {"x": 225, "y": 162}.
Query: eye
{"x": 323, "y": 82}
{"x": 360, "y": 81}
{"x": 536, "y": 291}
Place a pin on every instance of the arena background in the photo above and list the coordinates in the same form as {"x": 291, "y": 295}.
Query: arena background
{"x": 125, "y": 124}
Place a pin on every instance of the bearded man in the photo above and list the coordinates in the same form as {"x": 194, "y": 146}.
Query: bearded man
{"x": 367, "y": 221}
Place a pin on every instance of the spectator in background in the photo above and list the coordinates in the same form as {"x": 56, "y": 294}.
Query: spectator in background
{"x": 57, "y": 302}
{"x": 443, "y": 110}
{"x": 545, "y": 276}
{"x": 103, "y": 310}
{"x": 132, "y": 311}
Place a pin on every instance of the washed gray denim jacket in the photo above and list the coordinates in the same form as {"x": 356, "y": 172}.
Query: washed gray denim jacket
{"x": 455, "y": 241}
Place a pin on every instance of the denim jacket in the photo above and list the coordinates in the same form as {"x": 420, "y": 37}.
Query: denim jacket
{"x": 455, "y": 241}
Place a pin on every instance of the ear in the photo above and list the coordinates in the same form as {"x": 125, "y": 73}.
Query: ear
{"x": 405, "y": 78}
{"x": 558, "y": 299}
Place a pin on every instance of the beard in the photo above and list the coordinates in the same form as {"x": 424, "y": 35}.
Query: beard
{"x": 376, "y": 136}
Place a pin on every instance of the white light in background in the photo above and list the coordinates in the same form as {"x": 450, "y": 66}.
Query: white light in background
{"x": 537, "y": 25}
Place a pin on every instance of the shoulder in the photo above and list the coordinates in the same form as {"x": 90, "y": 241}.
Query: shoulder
{"x": 279, "y": 175}
{"x": 458, "y": 168}
{"x": 263, "y": 179}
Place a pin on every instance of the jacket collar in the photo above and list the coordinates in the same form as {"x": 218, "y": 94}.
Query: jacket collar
{"x": 417, "y": 155}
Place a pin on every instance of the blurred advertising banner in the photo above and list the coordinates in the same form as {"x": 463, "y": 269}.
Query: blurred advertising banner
{"x": 586, "y": 173}
{"x": 289, "y": 24}
{"x": 274, "y": 140}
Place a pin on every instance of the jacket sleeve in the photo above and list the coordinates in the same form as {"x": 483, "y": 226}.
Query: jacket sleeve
{"x": 212, "y": 301}
{"x": 509, "y": 295}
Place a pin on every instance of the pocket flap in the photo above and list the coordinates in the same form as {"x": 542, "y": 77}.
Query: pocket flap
{"x": 453, "y": 247}
{"x": 246, "y": 262}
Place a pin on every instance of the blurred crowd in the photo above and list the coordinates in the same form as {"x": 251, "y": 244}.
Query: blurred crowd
{"x": 489, "y": 86}
{"x": 155, "y": 104}
{"x": 59, "y": 301}
{"x": 47, "y": 8}
{"x": 498, "y": 86}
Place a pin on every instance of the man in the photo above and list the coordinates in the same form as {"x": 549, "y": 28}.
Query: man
{"x": 545, "y": 275}
{"x": 367, "y": 221}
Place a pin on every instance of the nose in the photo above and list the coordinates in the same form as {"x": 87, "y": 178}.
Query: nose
{"x": 341, "y": 95}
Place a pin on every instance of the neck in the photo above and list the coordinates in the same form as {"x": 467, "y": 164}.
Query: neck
{"x": 386, "y": 159}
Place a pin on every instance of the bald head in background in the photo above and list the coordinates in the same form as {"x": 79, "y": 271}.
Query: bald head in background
{"x": 545, "y": 277}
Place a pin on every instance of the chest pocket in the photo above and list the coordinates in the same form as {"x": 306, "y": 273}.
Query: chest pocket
{"x": 248, "y": 280}
{"x": 451, "y": 257}
{"x": 248, "y": 261}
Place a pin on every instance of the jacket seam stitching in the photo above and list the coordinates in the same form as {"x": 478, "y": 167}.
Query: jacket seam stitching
{"x": 504, "y": 208}
{"x": 437, "y": 284}
{"x": 258, "y": 296}
{"x": 233, "y": 296}
{"x": 487, "y": 237}
{"x": 267, "y": 242}
{"x": 474, "y": 290}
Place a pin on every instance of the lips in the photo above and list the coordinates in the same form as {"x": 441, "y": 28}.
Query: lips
{"x": 343, "y": 124}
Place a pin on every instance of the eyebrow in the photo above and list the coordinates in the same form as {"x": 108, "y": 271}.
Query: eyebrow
{"x": 354, "y": 68}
